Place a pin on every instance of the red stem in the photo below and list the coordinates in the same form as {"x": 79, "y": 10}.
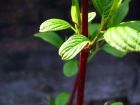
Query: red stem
{"x": 73, "y": 92}
{"x": 83, "y": 55}
{"x": 84, "y": 11}
{"x": 80, "y": 81}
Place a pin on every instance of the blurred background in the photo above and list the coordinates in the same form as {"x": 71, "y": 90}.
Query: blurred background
{"x": 31, "y": 70}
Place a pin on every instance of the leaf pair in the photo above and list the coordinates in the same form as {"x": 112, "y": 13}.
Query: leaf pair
{"x": 50, "y": 25}
{"x": 59, "y": 24}
{"x": 71, "y": 47}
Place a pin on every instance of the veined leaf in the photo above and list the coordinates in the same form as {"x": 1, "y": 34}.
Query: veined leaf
{"x": 73, "y": 46}
{"x": 132, "y": 24}
{"x": 70, "y": 68}
{"x": 115, "y": 5}
{"x": 103, "y": 6}
{"x": 119, "y": 14}
{"x": 62, "y": 98}
{"x": 54, "y": 25}
{"x": 106, "y": 8}
{"x": 113, "y": 51}
{"x": 123, "y": 38}
{"x": 91, "y": 16}
{"x": 50, "y": 37}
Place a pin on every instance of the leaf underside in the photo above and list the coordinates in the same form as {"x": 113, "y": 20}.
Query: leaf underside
{"x": 70, "y": 68}
{"x": 50, "y": 37}
{"x": 132, "y": 24}
{"x": 113, "y": 51}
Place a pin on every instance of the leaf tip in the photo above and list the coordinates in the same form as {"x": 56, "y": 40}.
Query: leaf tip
{"x": 36, "y": 35}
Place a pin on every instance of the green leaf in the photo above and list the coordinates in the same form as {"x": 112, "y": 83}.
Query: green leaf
{"x": 73, "y": 46}
{"x": 62, "y": 98}
{"x": 114, "y": 103}
{"x": 132, "y": 24}
{"x": 117, "y": 103}
{"x": 70, "y": 68}
{"x": 75, "y": 12}
{"x": 106, "y": 9}
{"x": 103, "y": 6}
{"x": 120, "y": 14}
{"x": 54, "y": 25}
{"x": 51, "y": 101}
{"x": 113, "y": 51}
{"x": 91, "y": 16}
{"x": 93, "y": 29}
{"x": 50, "y": 37}
{"x": 123, "y": 38}
{"x": 115, "y": 5}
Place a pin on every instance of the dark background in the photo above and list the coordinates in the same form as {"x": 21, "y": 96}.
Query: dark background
{"x": 31, "y": 70}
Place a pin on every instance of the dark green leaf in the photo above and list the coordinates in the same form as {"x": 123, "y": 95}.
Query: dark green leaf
{"x": 123, "y": 38}
{"x": 50, "y": 37}
{"x": 132, "y": 24}
{"x": 106, "y": 8}
{"x": 54, "y": 25}
{"x": 62, "y": 99}
{"x": 73, "y": 46}
{"x": 103, "y": 6}
{"x": 51, "y": 101}
{"x": 93, "y": 29}
{"x": 120, "y": 14}
{"x": 115, "y": 5}
{"x": 70, "y": 68}
{"x": 117, "y": 103}
{"x": 113, "y": 51}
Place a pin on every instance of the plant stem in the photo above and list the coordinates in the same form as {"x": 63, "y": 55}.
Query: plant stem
{"x": 73, "y": 91}
{"x": 81, "y": 79}
{"x": 83, "y": 55}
